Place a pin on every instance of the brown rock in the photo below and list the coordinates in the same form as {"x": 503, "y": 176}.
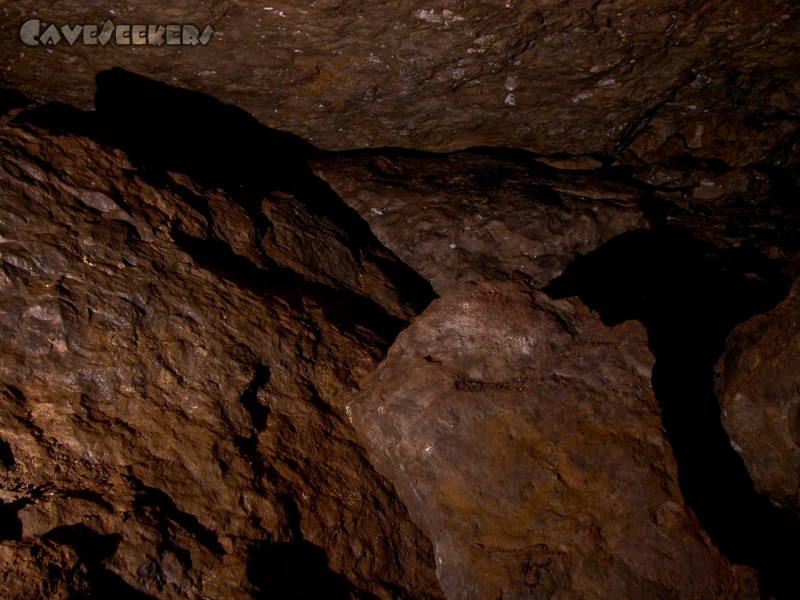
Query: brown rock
{"x": 758, "y": 387}
{"x": 524, "y": 436}
{"x": 41, "y": 570}
{"x": 469, "y": 216}
{"x": 171, "y": 390}
{"x": 748, "y": 208}
{"x": 551, "y": 77}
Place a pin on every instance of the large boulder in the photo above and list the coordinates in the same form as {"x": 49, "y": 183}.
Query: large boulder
{"x": 525, "y": 438}
{"x": 172, "y": 390}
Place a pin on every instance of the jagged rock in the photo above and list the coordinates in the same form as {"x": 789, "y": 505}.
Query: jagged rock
{"x": 172, "y": 391}
{"x": 716, "y": 78}
{"x": 470, "y": 216}
{"x": 758, "y": 387}
{"x": 183, "y": 325}
{"x": 751, "y": 209}
{"x": 524, "y": 436}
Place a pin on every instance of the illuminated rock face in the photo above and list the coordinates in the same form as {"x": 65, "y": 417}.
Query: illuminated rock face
{"x": 171, "y": 406}
{"x": 529, "y": 446}
{"x": 715, "y": 79}
{"x": 224, "y": 368}
{"x": 180, "y": 401}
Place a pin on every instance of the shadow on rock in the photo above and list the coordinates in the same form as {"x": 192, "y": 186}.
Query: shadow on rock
{"x": 690, "y": 296}
{"x": 163, "y": 128}
{"x": 93, "y": 548}
{"x": 295, "y": 571}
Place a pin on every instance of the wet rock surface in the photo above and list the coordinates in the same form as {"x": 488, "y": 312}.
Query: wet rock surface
{"x": 717, "y": 79}
{"x": 529, "y": 445}
{"x": 759, "y": 393}
{"x": 171, "y": 391}
{"x": 469, "y": 216}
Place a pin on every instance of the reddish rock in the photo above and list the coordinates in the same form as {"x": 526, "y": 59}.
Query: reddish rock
{"x": 524, "y": 436}
{"x": 758, "y": 387}
{"x": 718, "y": 77}
{"x": 469, "y": 216}
{"x": 171, "y": 396}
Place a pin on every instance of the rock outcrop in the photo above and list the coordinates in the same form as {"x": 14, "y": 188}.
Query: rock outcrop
{"x": 524, "y": 436}
{"x": 196, "y": 398}
{"x": 713, "y": 79}
{"x": 172, "y": 391}
{"x": 470, "y": 216}
{"x": 758, "y": 387}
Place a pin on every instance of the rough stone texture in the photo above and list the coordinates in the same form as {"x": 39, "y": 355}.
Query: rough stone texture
{"x": 171, "y": 390}
{"x": 714, "y": 79}
{"x": 751, "y": 208}
{"x": 470, "y": 216}
{"x": 525, "y": 437}
{"x": 182, "y": 327}
{"x": 758, "y": 387}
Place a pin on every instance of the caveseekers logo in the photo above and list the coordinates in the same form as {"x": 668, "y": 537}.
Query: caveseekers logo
{"x": 36, "y": 33}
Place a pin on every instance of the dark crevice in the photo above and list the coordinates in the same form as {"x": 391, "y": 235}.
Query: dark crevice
{"x": 248, "y": 445}
{"x": 292, "y": 516}
{"x": 249, "y": 399}
{"x": 92, "y": 549}
{"x": 6, "y": 455}
{"x": 158, "y": 505}
{"x": 10, "y": 525}
{"x": 655, "y": 209}
{"x": 690, "y": 295}
{"x": 61, "y": 118}
{"x": 11, "y": 99}
{"x": 296, "y": 570}
{"x": 350, "y": 312}
{"x": 785, "y": 192}
{"x": 15, "y": 393}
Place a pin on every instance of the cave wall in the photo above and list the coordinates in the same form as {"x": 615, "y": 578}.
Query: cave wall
{"x": 225, "y": 371}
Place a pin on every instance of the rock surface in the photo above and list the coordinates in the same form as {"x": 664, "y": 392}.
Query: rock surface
{"x": 716, "y": 79}
{"x": 172, "y": 391}
{"x": 186, "y": 312}
{"x": 758, "y": 387}
{"x": 470, "y": 216}
{"x": 525, "y": 437}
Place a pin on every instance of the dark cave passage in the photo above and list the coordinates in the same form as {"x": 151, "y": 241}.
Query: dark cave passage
{"x": 690, "y": 296}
